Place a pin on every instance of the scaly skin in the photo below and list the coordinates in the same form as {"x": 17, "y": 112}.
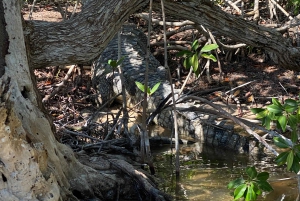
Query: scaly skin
{"x": 199, "y": 126}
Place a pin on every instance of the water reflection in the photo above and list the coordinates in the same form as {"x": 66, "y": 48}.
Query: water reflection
{"x": 205, "y": 173}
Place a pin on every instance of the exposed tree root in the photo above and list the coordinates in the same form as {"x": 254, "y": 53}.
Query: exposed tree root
{"x": 140, "y": 179}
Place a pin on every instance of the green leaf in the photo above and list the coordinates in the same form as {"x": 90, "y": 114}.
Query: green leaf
{"x": 256, "y": 189}
{"x": 262, "y": 114}
{"x": 281, "y": 143}
{"x": 264, "y": 185}
{"x": 197, "y": 72}
{"x": 293, "y": 121}
{"x": 112, "y": 63}
{"x": 272, "y": 116}
{"x": 251, "y": 195}
{"x": 297, "y": 151}
{"x": 235, "y": 183}
{"x": 276, "y": 102}
{"x": 294, "y": 136}
{"x": 290, "y": 160}
{"x": 289, "y": 108}
{"x": 187, "y": 63}
{"x": 274, "y": 108}
{"x": 297, "y": 147}
{"x": 262, "y": 176}
{"x": 257, "y": 110}
{"x": 120, "y": 61}
{"x": 209, "y": 56}
{"x": 291, "y": 102}
{"x": 208, "y": 48}
{"x": 239, "y": 191}
{"x": 295, "y": 167}
{"x": 282, "y": 157}
{"x": 194, "y": 62}
{"x": 251, "y": 172}
{"x": 266, "y": 122}
{"x": 184, "y": 53}
{"x": 195, "y": 45}
{"x": 140, "y": 86}
{"x": 282, "y": 120}
{"x": 154, "y": 88}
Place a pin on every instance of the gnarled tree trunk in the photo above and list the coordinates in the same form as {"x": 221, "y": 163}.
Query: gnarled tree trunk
{"x": 83, "y": 37}
{"x": 206, "y": 13}
{"x": 33, "y": 165}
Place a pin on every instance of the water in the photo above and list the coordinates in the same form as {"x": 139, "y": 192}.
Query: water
{"x": 205, "y": 173}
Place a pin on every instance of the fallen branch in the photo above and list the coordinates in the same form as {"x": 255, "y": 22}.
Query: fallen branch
{"x": 60, "y": 85}
{"x": 171, "y": 42}
{"x": 242, "y": 85}
{"x": 233, "y": 5}
{"x": 231, "y": 47}
{"x": 172, "y": 47}
{"x": 79, "y": 134}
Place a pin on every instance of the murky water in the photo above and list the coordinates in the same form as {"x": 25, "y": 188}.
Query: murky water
{"x": 205, "y": 173}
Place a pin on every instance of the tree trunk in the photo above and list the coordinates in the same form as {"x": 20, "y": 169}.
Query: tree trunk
{"x": 82, "y": 38}
{"x": 33, "y": 165}
{"x": 210, "y": 16}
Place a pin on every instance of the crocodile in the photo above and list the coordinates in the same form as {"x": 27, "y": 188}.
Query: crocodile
{"x": 200, "y": 126}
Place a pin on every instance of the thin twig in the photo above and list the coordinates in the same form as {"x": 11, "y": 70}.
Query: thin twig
{"x": 242, "y": 85}
{"x": 74, "y": 9}
{"x": 185, "y": 81}
{"x": 283, "y": 88}
{"x": 60, "y": 85}
{"x": 31, "y": 10}
{"x": 177, "y": 165}
{"x": 233, "y": 5}
{"x": 124, "y": 103}
{"x": 80, "y": 134}
{"x": 282, "y": 10}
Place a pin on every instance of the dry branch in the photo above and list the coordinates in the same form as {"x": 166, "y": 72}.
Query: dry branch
{"x": 60, "y": 85}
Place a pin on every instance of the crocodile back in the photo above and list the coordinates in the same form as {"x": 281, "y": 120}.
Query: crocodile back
{"x": 134, "y": 49}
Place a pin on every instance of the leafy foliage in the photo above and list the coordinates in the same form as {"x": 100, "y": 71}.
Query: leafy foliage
{"x": 192, "y": 56}
{"x": 287, "y": 114}
{"x": 252, "y": 187}
{"x": 150, "y": 91}
{"x": 294, "y": 5}
{"x": 114, "y": 63}
{"x": 283, "y": 115}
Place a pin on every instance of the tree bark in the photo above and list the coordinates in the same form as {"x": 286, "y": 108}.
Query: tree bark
{"x": 82, "y": 38}
{"x": 33, "y": 165}
{"x": 207, "y": 14}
